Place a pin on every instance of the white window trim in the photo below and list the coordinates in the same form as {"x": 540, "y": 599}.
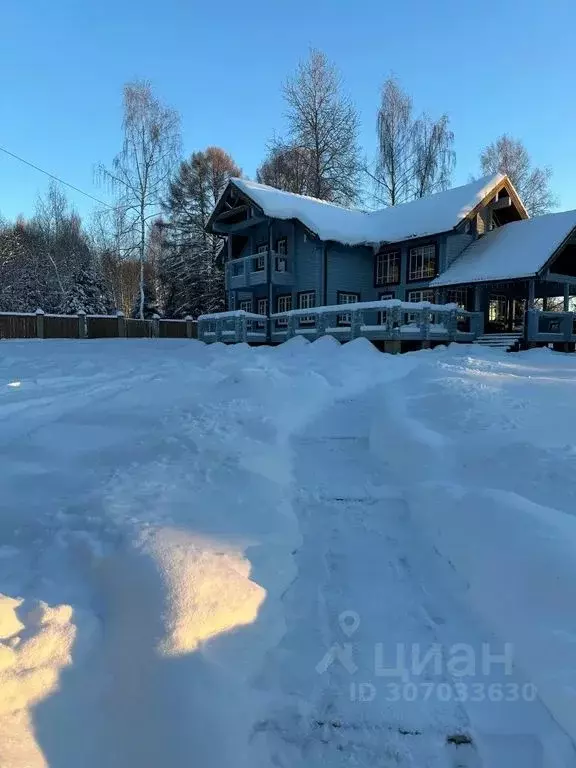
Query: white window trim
{"x": 497, "y": 301}
{"x": 418, "y": 295}
{"x": 284, "y": 241}
{"x": 383, "y": 297}
{"x": 347, "y": 298}
{"x": 261, "y": 252}
{"x": 282, "y": 322}
{"x": 460, "y": 297}
{"x": 261, "y": 325}
{"x": 259, "y": 305}
{"x": 417, "y": 258}
{"x": 241, "y": 305}
{"x": 307, "y": 300}
{"x": 383, "y": 267}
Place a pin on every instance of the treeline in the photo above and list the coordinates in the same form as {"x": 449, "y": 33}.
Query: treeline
{"x": 149, "y": 252}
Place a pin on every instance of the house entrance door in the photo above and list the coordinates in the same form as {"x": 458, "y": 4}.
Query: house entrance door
{"x": 505, "y": 313}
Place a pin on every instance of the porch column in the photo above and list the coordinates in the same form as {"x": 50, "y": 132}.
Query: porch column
{"x": 271, "y": 307}
{"x": 566, "y": 297}
{"x": 531, "y": 294}
{"x": 477, "y": 298}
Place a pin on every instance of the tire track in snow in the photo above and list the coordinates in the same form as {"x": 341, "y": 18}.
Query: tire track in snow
{"x": 362, "y": 551}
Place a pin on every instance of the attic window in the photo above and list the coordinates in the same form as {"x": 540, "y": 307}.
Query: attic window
{"x": 503, "y": 193}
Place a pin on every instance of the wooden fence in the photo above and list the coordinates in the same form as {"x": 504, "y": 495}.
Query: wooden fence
{"x": 38, "y": 325}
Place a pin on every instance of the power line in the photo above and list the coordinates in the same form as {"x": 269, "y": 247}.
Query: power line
{"x": 51, "y": 175}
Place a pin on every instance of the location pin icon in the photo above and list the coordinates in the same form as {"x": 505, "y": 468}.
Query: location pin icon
{"x": 349, "y": 622}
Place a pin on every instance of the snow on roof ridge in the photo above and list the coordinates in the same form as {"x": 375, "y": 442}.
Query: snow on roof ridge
{"x": 258, "y": 185}
{"x": 439, "y": 212}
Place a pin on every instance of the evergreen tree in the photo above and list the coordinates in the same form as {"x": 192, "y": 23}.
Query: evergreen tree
{"x": 88, "y": 294}
{"x": 189, "y": 271}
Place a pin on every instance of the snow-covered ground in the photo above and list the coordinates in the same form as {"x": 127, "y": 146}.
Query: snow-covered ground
{"x": 310, "y": 555}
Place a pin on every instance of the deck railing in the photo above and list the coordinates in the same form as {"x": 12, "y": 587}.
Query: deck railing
{"x": 388, "y": 320}
{"x": 254, "y": 270}
{"x": 233, "y": 327}
{"x": 550, "y": 327}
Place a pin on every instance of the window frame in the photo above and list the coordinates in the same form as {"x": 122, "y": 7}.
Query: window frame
{"x": 246, "y": 301}
{"x": 341, "y": 319}
{"x": 261, "y": 324}
{"x": 281, "y": 258}
{"x": 421, "y": 278}
{"x": 383, "y": 296}
{"x": 261, "y": 251}
{"x": 411, "y": 317}
{"x": 397, "y": 253}
{"x": 258, "y": 302}
{"x": 305, "y": 319}
{"x": 283, "y": 322}
{"x": 460, "y": 290}
{"x": 500, "y": 300}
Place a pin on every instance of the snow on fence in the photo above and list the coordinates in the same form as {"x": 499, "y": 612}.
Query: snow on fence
{"x": 387, "y": 320}
{"x": 39, "y": 325}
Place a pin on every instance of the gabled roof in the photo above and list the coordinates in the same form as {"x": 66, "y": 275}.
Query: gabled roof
{"x": 426, "y": 216}
{"x": 516, "y": 250}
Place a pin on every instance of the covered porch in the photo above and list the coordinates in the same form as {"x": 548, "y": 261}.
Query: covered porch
{"x": 504, "y": 304}
{"x": 521, "y": 276}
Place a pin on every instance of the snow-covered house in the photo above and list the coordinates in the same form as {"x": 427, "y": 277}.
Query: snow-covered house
{"x": 473, "y": 245}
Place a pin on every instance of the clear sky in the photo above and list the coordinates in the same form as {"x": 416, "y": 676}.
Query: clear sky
{"x": 494, "y": 67}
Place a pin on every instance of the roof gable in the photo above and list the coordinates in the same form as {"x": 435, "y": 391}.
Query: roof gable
{"x": 426, "y": 216}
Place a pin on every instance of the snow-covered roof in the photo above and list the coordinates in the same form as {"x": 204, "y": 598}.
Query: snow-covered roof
{"x": 426, "y": 216}
{"x": 516, "y": 250}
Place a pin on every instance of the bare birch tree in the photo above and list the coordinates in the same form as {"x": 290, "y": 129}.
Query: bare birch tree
{"x": 141, "y": 172}
{"x": 286, "y": 167}
{"x": 323, "y": 125}
{"x": 394, "y": 130}
{"x": 510, "y": 156}
{"x": 415, "y": 156}
{"x": 434, "y": 158}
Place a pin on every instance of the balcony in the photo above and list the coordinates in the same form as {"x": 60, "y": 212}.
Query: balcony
{"x": 253, "y": 270}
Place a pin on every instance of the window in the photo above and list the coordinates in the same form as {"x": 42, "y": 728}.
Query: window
{"x": 383, "y": 297}
{"x": 282, "y": 251}
{"x": 497, "y": 309}
{"x": 458, "y": 296}
{"x": 388, "y": 268}
{"x": 283, "y": 304}
{"x": 306, "y": 300}
{"x": 422, "y": 262}
{"x": 262, "y": 309}
{"x": 346, "y": 298}
{"x": 246, "y": 305}
{"x": 424, "y": 295}
{"x": 260, "y": 260}
{"x": 263, "y": 306}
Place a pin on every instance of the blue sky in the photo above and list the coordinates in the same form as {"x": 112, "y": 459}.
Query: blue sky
{"x": 494, "y": 68}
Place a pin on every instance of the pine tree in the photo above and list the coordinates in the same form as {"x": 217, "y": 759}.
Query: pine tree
{"x": 189, "y": 270}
